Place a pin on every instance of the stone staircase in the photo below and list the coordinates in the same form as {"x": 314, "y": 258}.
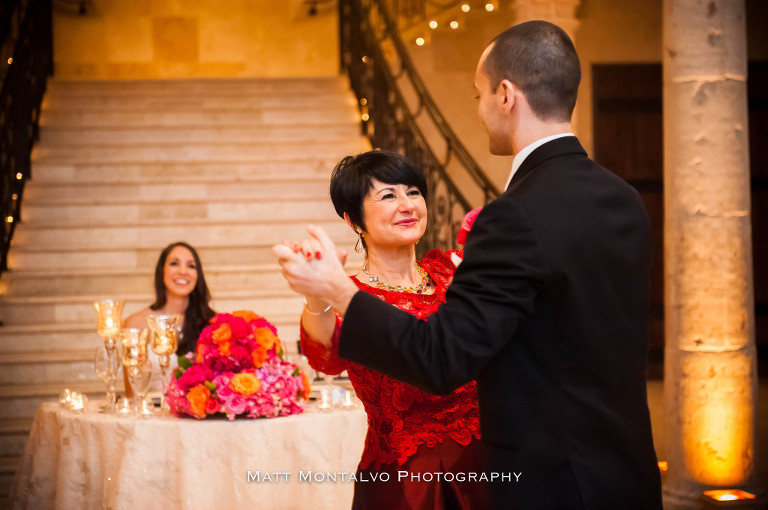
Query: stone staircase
{"x": 124, "y": 168}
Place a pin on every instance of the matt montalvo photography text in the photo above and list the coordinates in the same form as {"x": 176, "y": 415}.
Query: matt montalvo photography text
{"x": 310, "y": 476}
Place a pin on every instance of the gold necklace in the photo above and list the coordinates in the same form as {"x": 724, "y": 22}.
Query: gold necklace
{"x": 425, "y": 284}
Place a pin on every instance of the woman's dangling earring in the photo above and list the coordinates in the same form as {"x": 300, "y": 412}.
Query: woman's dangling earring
{"x": 359, "y": 243}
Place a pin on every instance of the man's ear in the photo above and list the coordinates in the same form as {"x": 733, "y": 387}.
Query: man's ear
{"x": 507, "y": 91}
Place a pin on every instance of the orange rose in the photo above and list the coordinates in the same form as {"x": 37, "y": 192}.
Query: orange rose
{"x": 266, "y": 338}
{"x": 221, "y": 338}
{"x": 198, "y": 398}
{"x": 307, "y": 389}
{"x": 222, "y": 333}
{"x": 245, "y": 383}
{"x": 259, "y": 356}
{"x": 246, "y": 315}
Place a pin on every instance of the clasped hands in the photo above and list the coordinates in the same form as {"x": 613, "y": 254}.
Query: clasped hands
{"x": 310, "y": 271}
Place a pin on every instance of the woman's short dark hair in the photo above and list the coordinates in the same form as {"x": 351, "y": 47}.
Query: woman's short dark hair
{"x": 540, "y": 58}
{"x": 353, "y": 177}
{"x": 198, "y": 312}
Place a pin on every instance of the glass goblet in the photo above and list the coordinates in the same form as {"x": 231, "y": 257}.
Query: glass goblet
{"x": 165, "y": 329}
{"x": 135, "y": 357}
{"x": 107, "y": 365}
{"x": 109, "y": 317}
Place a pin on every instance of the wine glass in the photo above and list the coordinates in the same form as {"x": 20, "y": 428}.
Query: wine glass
{"x": 165, "y": 329}
{"x": 140, "y": 377}
{"x": 106, "y": 367}
{"x": 136, "y": 363}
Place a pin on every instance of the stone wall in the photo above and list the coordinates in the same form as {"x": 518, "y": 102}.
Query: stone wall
{"x": 141, "y": 39}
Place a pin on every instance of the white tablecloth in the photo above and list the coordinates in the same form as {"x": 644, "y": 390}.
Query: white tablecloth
{"x": 97, "y": 461}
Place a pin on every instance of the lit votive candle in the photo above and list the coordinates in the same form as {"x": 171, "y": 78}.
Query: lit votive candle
{"x": 65, "y": 397}
{"x": 78, "y": 402}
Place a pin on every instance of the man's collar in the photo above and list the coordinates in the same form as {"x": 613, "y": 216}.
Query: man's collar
{"x": 520, "y": 156}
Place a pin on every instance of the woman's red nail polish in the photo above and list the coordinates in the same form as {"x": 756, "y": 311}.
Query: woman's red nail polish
{"x": 318, "y": 255}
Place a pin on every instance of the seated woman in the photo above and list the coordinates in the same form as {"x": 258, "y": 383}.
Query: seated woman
{"x": 381, "y": 195}
{"x": 180, "y": 288}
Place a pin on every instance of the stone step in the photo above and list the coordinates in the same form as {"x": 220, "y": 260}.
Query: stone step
{"x": 240, "y": 117}
{"x": 67, "y": 256}
{"x": 150, "y": 210}
{"x": 299, "y": 167}
{"x": 8, "y": 467}
{"x": 90, "y": 281}
{"x": 48, "y": 366}
{"x": 295, "y": 86}
{"x": 179, "y": 152}
{"x": 113, "y": 135}
{"x": 82, "y": 335}
{"x": 239, "y": 100}
{"x": 79, "y": 308}
{"x": 13, "y": 438}
{"x": 47, "y": 194}
{"x": 159, "y": 233}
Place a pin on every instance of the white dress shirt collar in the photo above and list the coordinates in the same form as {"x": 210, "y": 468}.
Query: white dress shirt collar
{"x": 520, "y": 156}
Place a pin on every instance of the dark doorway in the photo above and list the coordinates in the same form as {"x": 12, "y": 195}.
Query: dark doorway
{"x": 629, "y": 141}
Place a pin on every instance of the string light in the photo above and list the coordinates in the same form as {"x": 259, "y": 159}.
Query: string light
{"x": 9, "y": 219}
{"x": 14, "y": 196}
{"x": 18, "y": 176}
{"x": 489, "y": 7}
{"x": 365, "y": 59}
{"x": 465, "y": 7}
{"x": 10, "y": 60}
{"x": 454, "y": 24}
{"x": 433, "y": 24}
{"x": 363, "y": 101}
{"x": 420, "y": 41}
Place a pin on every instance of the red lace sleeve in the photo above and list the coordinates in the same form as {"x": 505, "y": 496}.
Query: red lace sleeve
{"x": 320, "y": 357}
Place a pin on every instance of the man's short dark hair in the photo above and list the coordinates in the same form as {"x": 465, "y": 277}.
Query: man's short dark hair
{"x": 540, "y": 58}
{"x": 353, "y": 178}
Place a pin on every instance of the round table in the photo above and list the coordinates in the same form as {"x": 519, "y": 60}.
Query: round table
{"x": 100, "y": 461}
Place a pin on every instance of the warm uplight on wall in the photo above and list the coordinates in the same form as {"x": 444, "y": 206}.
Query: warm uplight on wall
{"x": 489, "y": 7}
{"x": 465, "y": 7}
{"x": 419, "y": 41}
{"x": 454, "y": 24}
{"x": 433, "y": 24}
{"x": 718, "y": 416}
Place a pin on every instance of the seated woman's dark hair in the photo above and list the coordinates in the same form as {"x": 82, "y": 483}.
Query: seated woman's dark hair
{"x": 198, "y": 312}
{"x": 353, "y": 178}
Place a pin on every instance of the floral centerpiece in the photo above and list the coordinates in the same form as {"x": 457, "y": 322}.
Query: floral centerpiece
{"x": 237, "y": 370}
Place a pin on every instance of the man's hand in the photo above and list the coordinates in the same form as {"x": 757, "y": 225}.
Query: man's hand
{"x": 317, "y": 273}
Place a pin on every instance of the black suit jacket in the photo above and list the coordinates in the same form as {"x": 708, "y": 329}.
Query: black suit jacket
{"x": 549, "y": 312}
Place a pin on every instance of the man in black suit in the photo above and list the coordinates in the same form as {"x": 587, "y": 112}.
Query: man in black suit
{"x": 548, "y": 311}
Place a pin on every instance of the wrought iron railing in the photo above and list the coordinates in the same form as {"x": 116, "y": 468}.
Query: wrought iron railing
{"x": 27, "y": 61}
{"x": 398, "y": 114}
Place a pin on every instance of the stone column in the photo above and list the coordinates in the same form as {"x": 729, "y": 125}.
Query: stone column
{"x": 710, "y": 367}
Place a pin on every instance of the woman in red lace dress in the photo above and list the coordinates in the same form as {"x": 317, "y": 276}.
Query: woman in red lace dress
{"x": 422, "y": 450}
